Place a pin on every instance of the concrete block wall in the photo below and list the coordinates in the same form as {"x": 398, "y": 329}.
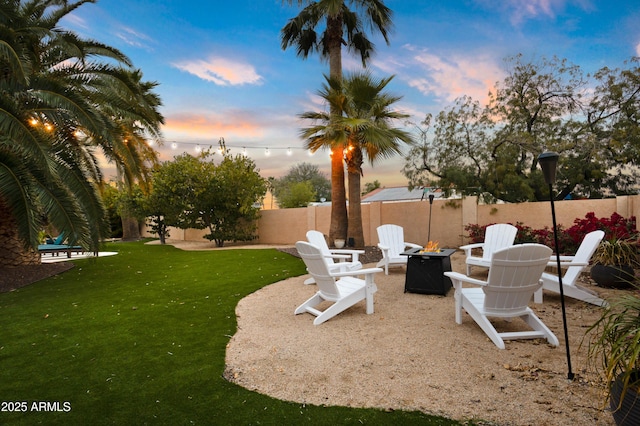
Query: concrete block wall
{"x": 448, "y": 218}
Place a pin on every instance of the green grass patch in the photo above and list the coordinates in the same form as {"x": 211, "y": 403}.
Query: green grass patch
{"x": 140, "y": 338}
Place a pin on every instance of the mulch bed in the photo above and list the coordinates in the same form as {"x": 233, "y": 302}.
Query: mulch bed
{"x": 20, "y": 276}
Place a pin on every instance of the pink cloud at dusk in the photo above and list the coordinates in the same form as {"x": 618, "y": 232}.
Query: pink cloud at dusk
{"x": 199, "y": 126}
{"x": 221, "y": 71}
{"x": 454, "y": 76}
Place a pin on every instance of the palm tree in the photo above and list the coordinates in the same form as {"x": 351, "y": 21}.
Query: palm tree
{"x": 59, "y": 107}
{"x": 364, "y": 128}
{"x": 334, "y": 20}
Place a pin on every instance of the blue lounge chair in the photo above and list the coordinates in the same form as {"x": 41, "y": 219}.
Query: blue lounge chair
{"x": 55, "y": 247}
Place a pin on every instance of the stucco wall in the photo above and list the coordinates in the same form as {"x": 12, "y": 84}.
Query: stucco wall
{"x": 449, "y": 217}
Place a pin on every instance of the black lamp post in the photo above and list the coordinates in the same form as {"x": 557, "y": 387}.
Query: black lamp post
{"x": 548, "y": 162}
{"x": 431, "y": 196}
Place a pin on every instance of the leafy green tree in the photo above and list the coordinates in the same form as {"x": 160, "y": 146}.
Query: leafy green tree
{"x": 109, "y": 195}
{"x": 164, "y": 203}
{"x": 371, "y": 186}
{"x": 365, "y": 127}
{"x": 591, "y": 121}
{"x": 323, "y": 26}
{"x": 319, "y": 186}
{"x": 176, "y": 187}
{"x": 63, "y": 100}
{"x": 194, "y": 192}
{"x": 296, "y": 194}
{"x": 129, "y": 205}
{"x": 230, "y": 208}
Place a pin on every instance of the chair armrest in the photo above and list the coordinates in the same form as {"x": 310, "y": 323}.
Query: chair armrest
{"x": 384, "y": 249}
{"x": 337, "y": 256}
{"x": 562, "y": 258}
{"x": 471, "y": 246}
{"x": 345, "y": 251}
{"x": 354, "y": 254}
{"x": 564, "y": 264}
{"x": 368, "y": 271}
{"x": 468, "y": 247}
{"x": 412, "y": 245}
{"x": 457, "y": 276}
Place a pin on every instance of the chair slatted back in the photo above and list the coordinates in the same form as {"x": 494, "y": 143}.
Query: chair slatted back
{"x": 392, "y": 236}
{"x": 588, "y": 246}
{"x": 317, "y": 267}
{"x": 496, "y": 237}
{"x": 514, "y": 276}
{"x": 317, "y": 239}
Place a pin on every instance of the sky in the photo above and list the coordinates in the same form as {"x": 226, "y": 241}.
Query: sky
{"x": 223, "y": 74}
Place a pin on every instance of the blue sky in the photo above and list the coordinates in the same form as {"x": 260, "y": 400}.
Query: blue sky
{"x": 222, "y": 73}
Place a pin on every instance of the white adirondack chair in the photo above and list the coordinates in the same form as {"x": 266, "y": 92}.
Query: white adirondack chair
{"x": 392, "y": 243}
{"x": 496, "y": 236}
{"x": 344, "y": 289}
{"x": 338, "y": 260}
{"x": 514, "y": 275}
{"x": 574, "y": 266}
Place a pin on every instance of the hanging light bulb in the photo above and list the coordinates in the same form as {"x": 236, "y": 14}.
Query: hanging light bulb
{"x": 244, "y": 151}
{"x": 174, "y": 145}
{"x": 289, "y": 152}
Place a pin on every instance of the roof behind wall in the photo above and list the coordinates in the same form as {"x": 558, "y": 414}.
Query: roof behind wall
{"x": 399, "y": 193}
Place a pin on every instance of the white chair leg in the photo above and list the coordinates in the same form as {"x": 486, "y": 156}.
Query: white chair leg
{"x": 537, "y": 296}
{"x": 370, "y": 289}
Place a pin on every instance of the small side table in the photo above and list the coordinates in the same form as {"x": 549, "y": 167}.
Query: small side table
{"x": 425, "y": 271}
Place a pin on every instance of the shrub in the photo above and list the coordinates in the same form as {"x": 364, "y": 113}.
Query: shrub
{"x": 615, "y": 227}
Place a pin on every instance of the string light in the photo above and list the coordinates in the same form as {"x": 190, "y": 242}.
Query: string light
{"x": 244, "y": 150}
{"x": 175, "y": 145}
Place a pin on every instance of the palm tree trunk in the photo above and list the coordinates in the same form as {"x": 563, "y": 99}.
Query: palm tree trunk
{"x": 13, "y": 252}
{"x": 354, "y": 172}
{"x": 355, "y": 210}
{"x": 338, "y": 226}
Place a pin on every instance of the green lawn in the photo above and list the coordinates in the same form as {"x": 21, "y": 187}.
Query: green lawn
{"x": 140, "y": 337}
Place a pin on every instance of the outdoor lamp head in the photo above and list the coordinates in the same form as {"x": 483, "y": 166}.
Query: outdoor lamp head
{"x": 431, "y": 196}
{"x": 548, "y": 161}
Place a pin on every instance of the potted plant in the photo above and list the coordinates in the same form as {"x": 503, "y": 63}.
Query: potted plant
{"x": 615, "y": 341}
{"x": 613, "y": 263}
